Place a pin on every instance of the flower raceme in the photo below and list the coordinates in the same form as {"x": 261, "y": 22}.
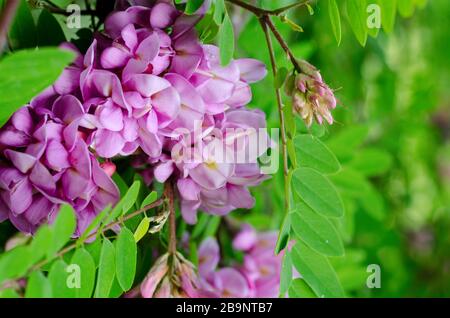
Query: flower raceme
{"x": 311, "y": 96}
{"x": 257, "y": 277}
{"x": 45, "y": 162}
{"x": 142, "y": 81}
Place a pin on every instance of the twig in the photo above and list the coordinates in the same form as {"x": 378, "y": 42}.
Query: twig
{"x": 259, "y": 12}
{"x": 168, "y": 193}
{"x": 6, "y": 17}
{"x": 280, "y": 113}
{"x": 282, "y": 42}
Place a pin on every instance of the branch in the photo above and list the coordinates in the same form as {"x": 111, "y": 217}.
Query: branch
{"x": 280, "y": 113}
{"x": 168, "y": 193}
{"x": 6, "y": 17}
{"x": 282, "y": 42}
{"x": 259, "y": 12}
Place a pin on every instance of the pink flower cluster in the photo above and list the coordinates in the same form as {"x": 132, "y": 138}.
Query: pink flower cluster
{"x": 257, "y": 277}
{"x": 144, "y": 88}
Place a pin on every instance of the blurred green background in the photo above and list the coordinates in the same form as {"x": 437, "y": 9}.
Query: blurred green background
{"x": 392, "y": 136}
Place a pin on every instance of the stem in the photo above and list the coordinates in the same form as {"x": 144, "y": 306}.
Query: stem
{"x": 280, "y": 113}
{"x": 6, "y": 17}
{"x": 259, "y": 12}
{"x": 168, "y": 193}
{"x": 282, "y": 42}
{"x": 264, "y": 15}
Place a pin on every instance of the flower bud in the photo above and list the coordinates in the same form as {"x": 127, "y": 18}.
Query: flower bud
{"x": 311, "y": 96}
{"x": 155, "y": 276}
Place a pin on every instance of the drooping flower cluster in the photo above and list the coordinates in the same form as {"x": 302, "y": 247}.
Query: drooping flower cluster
{"x": 311, "y": 96}
{"x": 169, "y": 96}
{"x": 146, "y": 87}
{"x": 257, "y": 277}
{"x": 45, "y": 162}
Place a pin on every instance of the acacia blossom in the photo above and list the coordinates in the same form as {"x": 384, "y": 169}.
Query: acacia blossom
{"x": 143, "y": 87}
{"x": 257, "y": 277}
{"x": 45, "y": 162}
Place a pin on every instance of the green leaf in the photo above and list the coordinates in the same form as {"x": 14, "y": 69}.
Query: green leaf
{"x": 313, "y": 153}
{"x": 388, "y": 14}
{"x": 23, "y": 33}
{"x": 126, "y": 254}
{"x": 121, "y": 184}
{"x": 63, "y": 228}
{"x": 226, "y": 41}
{"x": 15, "y": 262}
{"x": 18, "y": 88}
{"x": 95, "y": 250}
{"x": 299, "y": 289}
{"x": 41, "y": 243}
{"x": 106, "y": 271}
{"x": 335, "y": 18}
{"x": 38, "y": 286}
{"x": 356, "y": 11}
{"x": 192, "y": 6}
{"x": 286, "y": 273}
{"x": 283, "y": 235}
{"x": 149, "y": 199}
{"x": 281, "y": 77}
{"x": 317, "y": 271}
{"x": 50, "y": 32}
{"x": 142, "y": 229}
{"x": 317, "y": 192}
{"x": 200, "y": 226}
{"x": 86, "y": 264}
{"x": 316, "y": 231}
{"x": 212, "y": 227}
{"x": 219, "y": 11}
{"x": 131, "y": 196}
{"x": 116, "y": 289}
{"x": 58, "y": 277}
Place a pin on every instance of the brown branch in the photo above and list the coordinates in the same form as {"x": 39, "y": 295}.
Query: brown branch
{"x": 168, "y": 193}
{"x": 280, "y": 113}
{"x": 259, "y": 12}
{"x": 6, "y": 17}
{"x": 282, "y": 43}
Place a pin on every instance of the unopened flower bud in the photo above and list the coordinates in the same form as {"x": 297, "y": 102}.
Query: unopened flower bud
{"x": 311, "y": 96}
{"x": 155, "y": 276}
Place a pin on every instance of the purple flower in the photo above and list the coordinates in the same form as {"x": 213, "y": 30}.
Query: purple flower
{"x": 44, "y": 162}
{"x": 258, "y": 276}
